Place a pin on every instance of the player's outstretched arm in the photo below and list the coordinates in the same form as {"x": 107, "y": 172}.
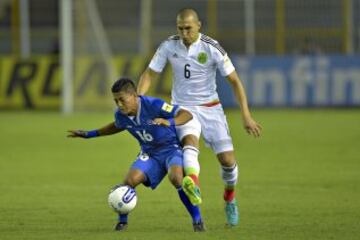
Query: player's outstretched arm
{"x": 106, "y": 130}
{"x": 145, "y": 80}
{"x": 250, "y": 125}
{"x": 182, "y": 117}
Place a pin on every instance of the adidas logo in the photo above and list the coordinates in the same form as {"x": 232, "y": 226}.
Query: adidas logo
{"x": 175, "y": 55}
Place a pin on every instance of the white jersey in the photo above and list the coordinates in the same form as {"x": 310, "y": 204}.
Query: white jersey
{"x": 194, "y": 68}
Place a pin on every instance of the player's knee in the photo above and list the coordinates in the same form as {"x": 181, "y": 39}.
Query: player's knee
{"x": 176, "y": 179}
{"x": 190, "y": 140}
{"x": 226, "y": 159}
{"x": 134, "y": 177}
{"x": 133, "y": 180}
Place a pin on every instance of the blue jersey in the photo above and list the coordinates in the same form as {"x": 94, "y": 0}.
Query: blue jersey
{"x": 152, "y": 138}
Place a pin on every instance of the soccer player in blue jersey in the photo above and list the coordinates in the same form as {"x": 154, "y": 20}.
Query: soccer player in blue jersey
{"x": 152, "y": 122}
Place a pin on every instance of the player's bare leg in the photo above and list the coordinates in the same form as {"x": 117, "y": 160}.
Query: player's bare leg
{"x": 133, "y": 178}
{"x": 190, "y": 182}
{"x": 229, "y": 173}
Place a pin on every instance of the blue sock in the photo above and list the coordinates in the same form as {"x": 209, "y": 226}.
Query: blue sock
{"x": 194, "y": 211}
{"x": 123, "y": 218}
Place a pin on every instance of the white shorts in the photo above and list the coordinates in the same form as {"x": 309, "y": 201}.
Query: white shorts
{"x": 211, "y": 121}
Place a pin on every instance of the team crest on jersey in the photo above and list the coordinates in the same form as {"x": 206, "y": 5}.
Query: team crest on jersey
{"x": 202, "y": 58}
{"x": 167, "y": 108}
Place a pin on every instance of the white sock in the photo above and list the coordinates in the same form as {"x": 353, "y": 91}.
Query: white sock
{"x": 191, "y": 162}
{"x": 229, "y": 175}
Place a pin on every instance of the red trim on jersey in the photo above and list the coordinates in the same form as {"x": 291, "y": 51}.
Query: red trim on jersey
{"x": 211, "y": 104}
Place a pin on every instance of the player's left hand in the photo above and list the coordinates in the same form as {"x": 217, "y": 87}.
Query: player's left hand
{"x": 252, "y": 127}
{"x": 77, "y": 133}
{"x": 161, "y": 122}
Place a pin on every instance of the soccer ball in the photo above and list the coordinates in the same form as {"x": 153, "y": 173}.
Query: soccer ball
{"x": 122, "y": 199}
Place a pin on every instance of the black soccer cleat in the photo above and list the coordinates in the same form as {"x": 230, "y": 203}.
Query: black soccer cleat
{"x": 121, "y": 226}
{"x": 199, "y": 227}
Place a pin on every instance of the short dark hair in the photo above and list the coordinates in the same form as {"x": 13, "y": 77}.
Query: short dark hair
{"x": 125, "y": 85}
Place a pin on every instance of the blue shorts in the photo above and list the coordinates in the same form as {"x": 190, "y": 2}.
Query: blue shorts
{"x": 156, "y": 166}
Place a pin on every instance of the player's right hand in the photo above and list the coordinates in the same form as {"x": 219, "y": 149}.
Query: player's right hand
{"x": 161, "y": 122}
{"x": 77, "y": 133}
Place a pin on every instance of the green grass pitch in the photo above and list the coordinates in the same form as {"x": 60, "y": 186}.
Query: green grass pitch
{"x": 300, "y": 180}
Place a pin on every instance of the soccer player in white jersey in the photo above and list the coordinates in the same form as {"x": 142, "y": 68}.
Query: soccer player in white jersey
{"x": 194, "y": 58}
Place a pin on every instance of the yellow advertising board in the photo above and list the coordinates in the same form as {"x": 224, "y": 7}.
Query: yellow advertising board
{"x": 36, "y": 83}
{"x": 33, "y": 83}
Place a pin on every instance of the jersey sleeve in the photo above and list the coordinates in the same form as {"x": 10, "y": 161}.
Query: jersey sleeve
{"x": 164, "y": 109}
{"x": 159, "y": 59}
{"x": 223, "y": 61}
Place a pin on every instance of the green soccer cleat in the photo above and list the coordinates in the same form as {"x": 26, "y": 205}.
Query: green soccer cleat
{"x": 232, "y": 213}
{"x": 191, "y": 190}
